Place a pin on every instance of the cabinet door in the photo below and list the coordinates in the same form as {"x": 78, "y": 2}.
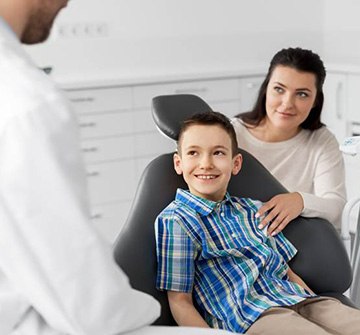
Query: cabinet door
{"x": 88, "y": 101}
{"x": 353, "y": 98}
{"x": 334, "y": 113}
{"x": 230, "y": 109}
{"x": 210, "y": 90}
{"x": 113, "y": 181}
{"x": 110, "y": 218}
{"x": 249, "y": 89}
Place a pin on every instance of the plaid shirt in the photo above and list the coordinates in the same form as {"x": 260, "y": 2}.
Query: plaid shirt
{"x": 216, "y": 251}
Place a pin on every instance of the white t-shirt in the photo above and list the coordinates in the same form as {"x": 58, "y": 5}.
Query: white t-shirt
{"x": 57, "y": 275}
{"x": 309, "y": 163}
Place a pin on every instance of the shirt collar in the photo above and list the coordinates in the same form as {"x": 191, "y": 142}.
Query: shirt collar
{"x": 7, "y": 30}
{"x": 202, "y": 206}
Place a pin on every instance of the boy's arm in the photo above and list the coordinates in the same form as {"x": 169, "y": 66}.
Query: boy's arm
{"x": 296, "y": 279}
{"x": 183, "y": 310}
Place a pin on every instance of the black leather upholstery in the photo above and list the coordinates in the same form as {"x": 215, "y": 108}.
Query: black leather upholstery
{"x": 321, "y": 260}
{"x": 169, "y": 111}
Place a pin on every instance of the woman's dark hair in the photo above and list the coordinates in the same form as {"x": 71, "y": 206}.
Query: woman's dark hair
{"x": 301, "y": 60}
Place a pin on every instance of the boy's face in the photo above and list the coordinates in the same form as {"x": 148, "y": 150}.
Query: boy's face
{"x": 206, "y": 161}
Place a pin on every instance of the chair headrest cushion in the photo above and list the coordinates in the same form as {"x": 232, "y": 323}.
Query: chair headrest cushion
{"x": 169, "y": 111}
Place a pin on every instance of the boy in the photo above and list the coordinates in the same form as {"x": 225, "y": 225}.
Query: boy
{"x": 209, "y": 247}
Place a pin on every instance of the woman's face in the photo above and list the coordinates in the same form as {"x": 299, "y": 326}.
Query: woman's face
{"x": 290, "y": 95}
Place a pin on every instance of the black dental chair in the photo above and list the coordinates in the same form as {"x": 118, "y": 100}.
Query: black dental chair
{"x": 321, "y": 261}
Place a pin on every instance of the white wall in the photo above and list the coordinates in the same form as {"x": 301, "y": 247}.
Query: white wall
{"x": 342, "y": 31}
{"x": 172, "y": 35}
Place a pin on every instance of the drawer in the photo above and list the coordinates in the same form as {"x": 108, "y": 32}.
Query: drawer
{"x": 141, "y": 164}
{"x": 143, "y": 120}
{"x": 108, "y": 149}
{"x": 230, "y": 109}
{"x": 107, "y": 124}
{"x": 249, "y": 89}
{"x": 110, "y": 218}
{"x": 153, "y": 144}
{"x": 99, "y": 100}
{"x": 114, "y": 181}
{"x": 209, "y": 90}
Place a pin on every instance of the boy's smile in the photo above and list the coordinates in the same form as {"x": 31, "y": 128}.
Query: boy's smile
{"x": 206, "y": 161}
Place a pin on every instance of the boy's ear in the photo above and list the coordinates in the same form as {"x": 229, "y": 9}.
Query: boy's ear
{"x": 237, "y": 163}
{"x": 177, "y": 163}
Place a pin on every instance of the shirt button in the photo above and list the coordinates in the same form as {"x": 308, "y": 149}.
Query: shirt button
{"x": 222, "y": 214}
{"x": 233, "y": 235}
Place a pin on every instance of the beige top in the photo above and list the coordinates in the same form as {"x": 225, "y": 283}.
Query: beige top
{"x": 309, "y": 163}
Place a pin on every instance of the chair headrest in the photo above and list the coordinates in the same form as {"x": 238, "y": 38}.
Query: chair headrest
{"x": 169, "y": 111}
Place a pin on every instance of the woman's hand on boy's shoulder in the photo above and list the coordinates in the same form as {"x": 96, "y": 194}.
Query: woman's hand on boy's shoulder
{"x": 279, "y": 211}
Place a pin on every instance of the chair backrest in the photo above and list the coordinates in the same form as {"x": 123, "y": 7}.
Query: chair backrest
{"x": 321, "y": 260}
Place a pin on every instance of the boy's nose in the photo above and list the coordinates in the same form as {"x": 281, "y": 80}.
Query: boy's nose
{"x": 206, "y": 162}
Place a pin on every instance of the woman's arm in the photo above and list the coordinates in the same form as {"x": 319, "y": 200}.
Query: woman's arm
{"x": 296, "y": 279}
{"x": 183, "y": 310}
{"x": 329, "y": 195}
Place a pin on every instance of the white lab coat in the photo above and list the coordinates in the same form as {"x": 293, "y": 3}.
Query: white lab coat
{"x": 57, "y": 276}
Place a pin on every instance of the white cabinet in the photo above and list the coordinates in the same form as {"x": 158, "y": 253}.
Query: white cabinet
{"x": 106, "y": 128}
{"x": 334, "y": 113}
{"x": 354, "y": 104}
{"x": 353, "y": 128}
{"x": 341, "y": 114}
{"x": 119, "y": 137}
{"x": 249, "y": 89}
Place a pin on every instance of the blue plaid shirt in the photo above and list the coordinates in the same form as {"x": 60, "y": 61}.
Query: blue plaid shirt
{"x": 216, "y": 251}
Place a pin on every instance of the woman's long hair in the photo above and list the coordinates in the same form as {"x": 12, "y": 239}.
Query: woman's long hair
{"x": 301, "y": 60}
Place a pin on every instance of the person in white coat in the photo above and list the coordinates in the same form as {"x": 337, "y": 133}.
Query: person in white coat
{"x": 57, "y": 275}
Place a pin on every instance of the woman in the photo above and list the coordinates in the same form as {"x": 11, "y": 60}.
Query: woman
{"x": 285, "y": 133}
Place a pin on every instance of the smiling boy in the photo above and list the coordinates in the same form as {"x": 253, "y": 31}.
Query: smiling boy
{"x": 210, "y": 249}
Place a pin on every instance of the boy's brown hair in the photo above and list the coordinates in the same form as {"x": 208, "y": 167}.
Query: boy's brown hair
{"x": 210, "y": 119}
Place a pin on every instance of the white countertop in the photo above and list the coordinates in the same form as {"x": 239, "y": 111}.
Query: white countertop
{"x": 123, "y": 77}
{"x": 145, "y": 76}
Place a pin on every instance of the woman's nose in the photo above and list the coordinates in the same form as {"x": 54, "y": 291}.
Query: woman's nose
{"x": 287, "y": 101}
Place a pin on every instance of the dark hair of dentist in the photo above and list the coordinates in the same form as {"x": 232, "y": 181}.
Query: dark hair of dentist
{"x": 285, "y": 133}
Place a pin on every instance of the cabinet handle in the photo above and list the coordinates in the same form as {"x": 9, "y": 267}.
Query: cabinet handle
{"x": 88, "y": 124}
{"x": 96, "y": 216}
{"x": 90, "y": 149}
{"x": 83, "y": 99}
{"x": 93, "y": 174}
{"x": 251, "y": 85}
{"x": 191, "y": 90}
{"x": 339, "y": 95}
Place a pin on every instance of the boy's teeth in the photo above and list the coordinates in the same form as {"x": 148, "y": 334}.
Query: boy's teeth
{"x": 206, "y": 177}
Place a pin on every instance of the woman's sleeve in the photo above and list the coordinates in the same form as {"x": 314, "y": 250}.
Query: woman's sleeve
{"x": 329, "y": 195}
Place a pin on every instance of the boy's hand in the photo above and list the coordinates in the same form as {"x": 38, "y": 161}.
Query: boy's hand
{"x": 280, "y": 210}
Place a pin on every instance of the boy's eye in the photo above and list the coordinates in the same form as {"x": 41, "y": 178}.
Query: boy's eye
{"x": 219, "y": 152}
{"x": 191, "y": 153}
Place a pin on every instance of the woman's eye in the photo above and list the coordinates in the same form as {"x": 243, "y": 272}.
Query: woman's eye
{"x": 191, "y": 153}
{"x": 278, "y": 89}
{"x": 302, "y": 94}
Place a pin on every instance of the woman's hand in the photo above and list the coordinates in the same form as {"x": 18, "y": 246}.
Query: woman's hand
{"x": 280, "y": 210}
